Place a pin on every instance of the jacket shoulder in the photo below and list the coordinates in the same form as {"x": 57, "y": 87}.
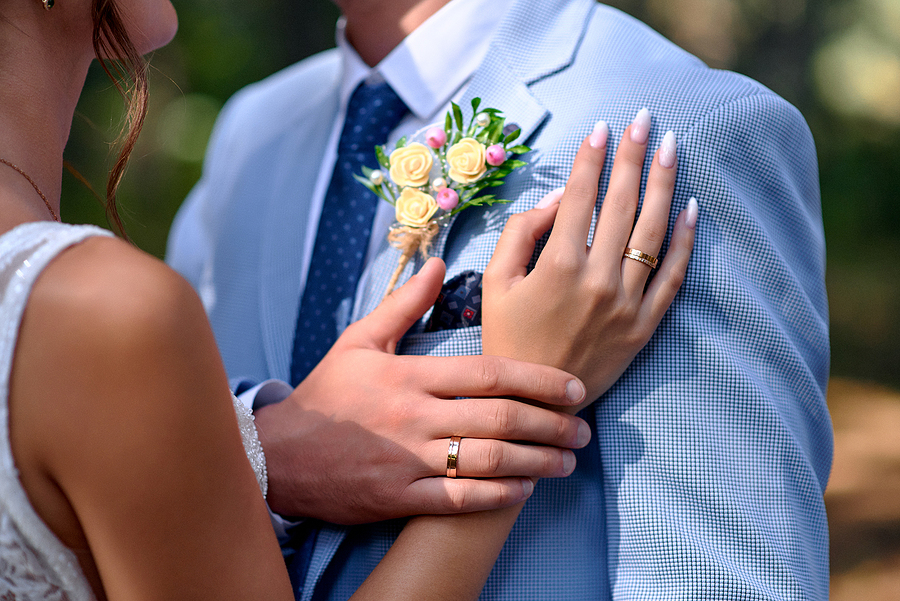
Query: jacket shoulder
{"x": 271, "y": 105}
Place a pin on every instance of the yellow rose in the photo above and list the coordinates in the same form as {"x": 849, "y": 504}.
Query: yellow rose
{"x": 411, "y": 165}
{"x": 415, "y": 208}
{"x": 466, "y": 160}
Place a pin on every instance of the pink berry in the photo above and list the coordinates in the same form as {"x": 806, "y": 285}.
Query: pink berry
{"x": 447, "y": 199}
{"x": 495, "y": 155}
{"x": 436, "y": 137}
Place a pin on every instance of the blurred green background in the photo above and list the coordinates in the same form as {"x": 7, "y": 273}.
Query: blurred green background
{"x": 838, "y": 61}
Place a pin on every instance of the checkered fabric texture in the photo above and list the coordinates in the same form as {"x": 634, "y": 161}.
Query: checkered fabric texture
{"x": 705, "y": 476}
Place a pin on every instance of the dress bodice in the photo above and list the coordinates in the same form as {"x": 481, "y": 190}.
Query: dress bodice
{"x": 34, "y": 564}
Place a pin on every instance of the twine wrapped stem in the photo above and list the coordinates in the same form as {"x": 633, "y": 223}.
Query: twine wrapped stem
{"x": 409, "y": 240}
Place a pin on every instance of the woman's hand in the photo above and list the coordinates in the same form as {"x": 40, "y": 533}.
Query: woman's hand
{"x": 588, "y": 309}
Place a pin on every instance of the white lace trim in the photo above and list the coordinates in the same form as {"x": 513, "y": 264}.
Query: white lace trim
{"x": 252, "y": 446}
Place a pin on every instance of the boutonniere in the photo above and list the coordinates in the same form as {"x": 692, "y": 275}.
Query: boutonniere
{"x": 427, "y": 183}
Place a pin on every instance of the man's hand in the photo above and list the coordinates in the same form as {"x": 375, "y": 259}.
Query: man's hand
{"x": 365, "y": 436}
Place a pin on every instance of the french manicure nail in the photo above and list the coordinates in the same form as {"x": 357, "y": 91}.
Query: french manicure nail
{"x": 599, "y": 135}
{"x": 640, "y": 127}
{"x": 667, "y": 150}
{"x": 690, "y": 213}
{"x": 575, "y": 391}
{"x": 552, "y": 197}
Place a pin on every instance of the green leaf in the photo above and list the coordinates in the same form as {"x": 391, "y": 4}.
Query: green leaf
{"x": 382, "y": 157}
{"x": 401, "y": 142}
{"x": 476, "y": 102}
{"x": 448, "y": 124}
{"x": 495, "y": 131}
{"x": 513, "y": 163}
{"x": 492, "y": 111}
{"x": 366, "y": 171}
{"x": 512, "y": 136}
{"x": 520, "y": 149}
{"x": 458, "y": 116}
{"x": 376, "y": 189}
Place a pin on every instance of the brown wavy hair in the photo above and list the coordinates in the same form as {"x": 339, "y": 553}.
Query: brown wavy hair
{"x": 128, "y": 71}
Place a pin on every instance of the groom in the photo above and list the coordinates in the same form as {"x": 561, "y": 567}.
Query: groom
{"x": 710, "y": 456}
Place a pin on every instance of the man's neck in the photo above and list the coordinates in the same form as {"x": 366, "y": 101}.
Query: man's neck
{"x": 375, "y": 27}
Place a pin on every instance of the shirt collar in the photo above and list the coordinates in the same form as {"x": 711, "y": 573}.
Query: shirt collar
{"x": 433, "y": 62}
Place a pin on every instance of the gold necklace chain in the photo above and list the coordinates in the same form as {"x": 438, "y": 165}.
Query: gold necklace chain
{"x": 33, "y": 185}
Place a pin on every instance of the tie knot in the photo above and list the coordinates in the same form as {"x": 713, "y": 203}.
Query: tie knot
{"x": 373, "y": 112}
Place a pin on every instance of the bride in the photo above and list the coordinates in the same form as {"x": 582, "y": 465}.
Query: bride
{"x": 124, "y": 474}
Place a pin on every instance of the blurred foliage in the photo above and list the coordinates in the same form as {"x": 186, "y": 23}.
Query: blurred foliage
{"x": 838, "y": 61}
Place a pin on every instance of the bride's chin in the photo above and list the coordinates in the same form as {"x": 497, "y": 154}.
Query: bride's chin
{"x": 153, "y": 26}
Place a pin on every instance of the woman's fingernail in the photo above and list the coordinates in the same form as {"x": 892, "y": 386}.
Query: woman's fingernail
{"x": 667, "y": 150}
{"x": 575, "y": 391}
{"x": 552, "y": 197}
{"x": 640, "y": 127}
{"x": 690, "y": 213}
{"x": 599, "y": 135}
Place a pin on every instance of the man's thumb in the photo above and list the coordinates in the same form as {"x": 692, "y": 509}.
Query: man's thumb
{"x": 403, "y": 307}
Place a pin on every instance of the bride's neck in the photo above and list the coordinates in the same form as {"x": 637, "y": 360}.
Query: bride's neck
{"x": 40, "y": 82}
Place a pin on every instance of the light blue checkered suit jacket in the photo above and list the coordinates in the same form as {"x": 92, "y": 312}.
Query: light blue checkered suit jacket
{"x": 705, "y": 476}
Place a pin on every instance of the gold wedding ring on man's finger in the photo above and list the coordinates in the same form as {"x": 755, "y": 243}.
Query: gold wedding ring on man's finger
{"x": 641, "y": 257}
{"x": 452, "y": 454}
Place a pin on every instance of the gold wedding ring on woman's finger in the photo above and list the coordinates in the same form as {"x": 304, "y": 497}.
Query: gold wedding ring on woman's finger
{"x": 452, "y": 454}
{"x": 641, "y": 257}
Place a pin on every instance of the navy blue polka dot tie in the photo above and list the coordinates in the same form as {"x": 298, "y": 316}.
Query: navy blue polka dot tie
{"x": 345, "y": 225}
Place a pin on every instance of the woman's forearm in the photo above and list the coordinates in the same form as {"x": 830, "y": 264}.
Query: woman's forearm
{"x": 441, "y": 557}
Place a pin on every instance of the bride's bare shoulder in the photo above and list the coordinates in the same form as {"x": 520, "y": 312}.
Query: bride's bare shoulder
{"x": 107, "y": 283}
{"x": 103, "y": 314}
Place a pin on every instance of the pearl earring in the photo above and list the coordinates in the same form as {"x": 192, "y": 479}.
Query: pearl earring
{"x": 48, "y": 4}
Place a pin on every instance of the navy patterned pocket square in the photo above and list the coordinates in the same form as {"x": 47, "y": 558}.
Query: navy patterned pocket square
{"x": 458, "y": 305}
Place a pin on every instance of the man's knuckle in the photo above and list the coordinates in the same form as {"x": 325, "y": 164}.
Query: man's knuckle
{"x": 494, "y": 459}
{"x": 505, "y": 418}
{"x": 489, "y": 373}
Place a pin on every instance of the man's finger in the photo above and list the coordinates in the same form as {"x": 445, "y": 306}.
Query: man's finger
{"x": 505, "y": 419}
{"x": 390, "y": 320}
{"x": 491, "y": 376}
{"x": 488, "y": 458}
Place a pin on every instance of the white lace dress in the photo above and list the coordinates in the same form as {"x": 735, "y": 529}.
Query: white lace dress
{"x": 34, "y": 564}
